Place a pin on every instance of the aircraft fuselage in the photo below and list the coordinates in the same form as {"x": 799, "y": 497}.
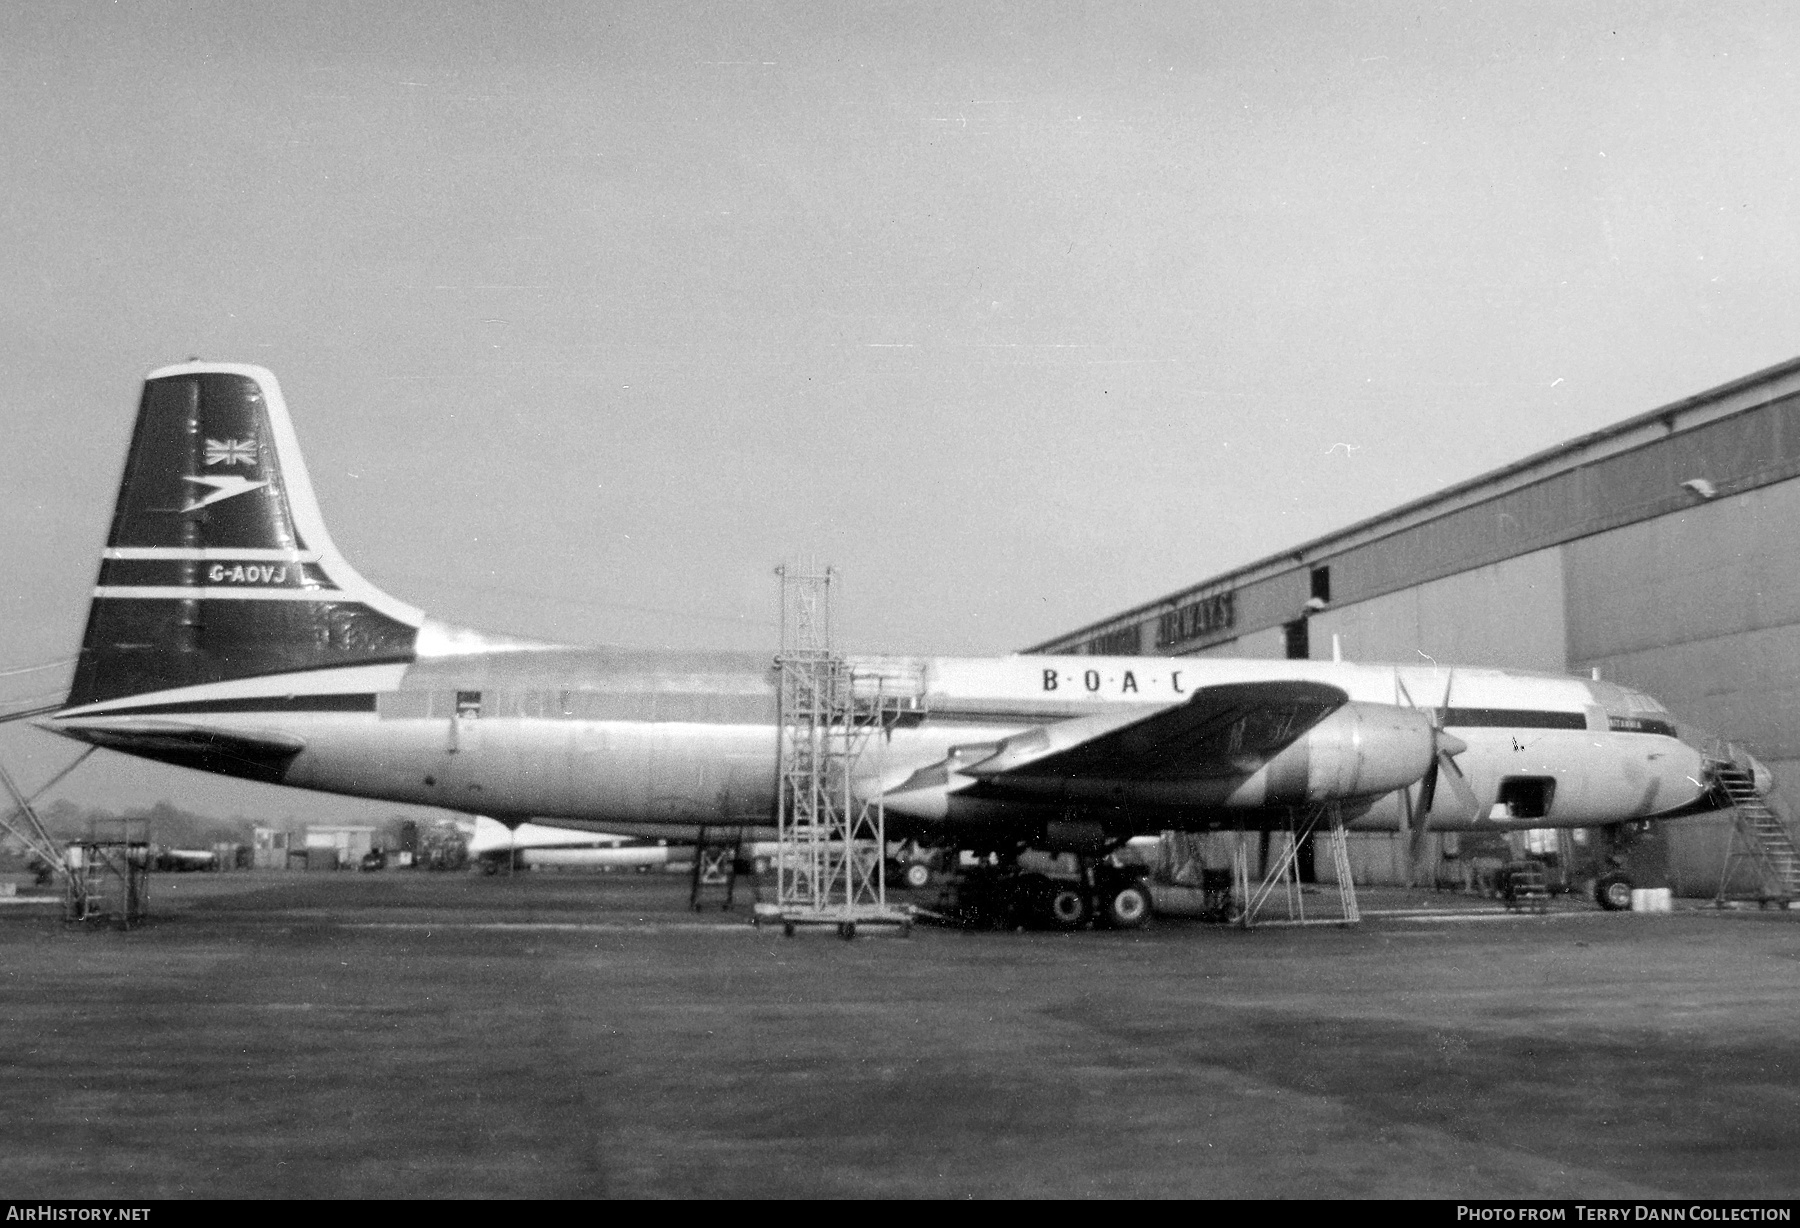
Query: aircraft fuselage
{"x": 656, "y": 743}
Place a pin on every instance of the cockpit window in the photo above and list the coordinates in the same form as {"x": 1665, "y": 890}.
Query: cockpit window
{"x": 1629, "y": 711}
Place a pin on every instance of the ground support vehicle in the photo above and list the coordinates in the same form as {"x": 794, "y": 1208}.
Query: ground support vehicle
{"x": 1005, "y": 891}
{"x": 1524, "y": 886}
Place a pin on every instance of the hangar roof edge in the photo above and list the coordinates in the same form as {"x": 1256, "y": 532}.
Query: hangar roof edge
{"x": 1675, "y": 417}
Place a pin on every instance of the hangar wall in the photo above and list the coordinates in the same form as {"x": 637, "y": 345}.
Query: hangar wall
{"x": 1258, "y": 645}
{"x": 1664, "y": 552}
{"x": 1505, "y": 614}
{"x": 1704, "y": 605}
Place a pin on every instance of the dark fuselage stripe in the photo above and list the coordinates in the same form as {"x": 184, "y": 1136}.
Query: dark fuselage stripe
{"x": 1513, "y": 718}
{"x": 265, "y": 703}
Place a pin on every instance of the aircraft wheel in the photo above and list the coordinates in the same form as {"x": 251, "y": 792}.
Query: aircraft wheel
{"x": 1613, "y": 892}
{"x": 847, "y": 930}
{"x": 1066, "y": 907}
{"x": 787, "y": 929}
{"x": 918, "y": 876}
{"x": 1129, "y": 907}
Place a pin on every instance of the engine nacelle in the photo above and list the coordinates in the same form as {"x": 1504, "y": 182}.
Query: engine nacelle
{"x": 1361, "y": 750}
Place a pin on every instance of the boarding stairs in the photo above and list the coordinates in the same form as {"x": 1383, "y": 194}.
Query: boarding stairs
{"x": 1760, "y": 843}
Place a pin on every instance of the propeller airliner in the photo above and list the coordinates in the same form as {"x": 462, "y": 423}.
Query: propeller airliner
{"x": 228, "y": 634}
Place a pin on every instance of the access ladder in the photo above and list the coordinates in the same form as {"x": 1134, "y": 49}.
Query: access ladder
{"x": 720, "y": 856}
{"x": 1760, "y": 842}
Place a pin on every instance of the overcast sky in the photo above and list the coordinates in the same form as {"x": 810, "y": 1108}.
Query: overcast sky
{"x": 589, "y": 314}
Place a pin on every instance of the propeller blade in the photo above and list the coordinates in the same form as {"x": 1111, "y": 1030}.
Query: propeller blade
{"x": 1428, "y": 786}
{"x": 1466, "y": 807}
{"x": 1418, "y": 823}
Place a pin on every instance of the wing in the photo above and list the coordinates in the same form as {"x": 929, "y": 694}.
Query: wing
{"x": 1194, "y": 751}
{"x": 1229, "y": 730}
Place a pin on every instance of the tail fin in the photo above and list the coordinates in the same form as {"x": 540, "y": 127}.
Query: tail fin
{"x": 218, "y": 565}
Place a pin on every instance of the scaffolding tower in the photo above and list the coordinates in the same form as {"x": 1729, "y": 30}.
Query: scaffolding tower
{"x": 109, "y": 873}
{"x": 830, "y": 843}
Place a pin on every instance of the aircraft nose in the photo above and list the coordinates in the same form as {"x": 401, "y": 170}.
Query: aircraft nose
{"x": 1759, "y": 772}
{"x": 1709, "y": 749}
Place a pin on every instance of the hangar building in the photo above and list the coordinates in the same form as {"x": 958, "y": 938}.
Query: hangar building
{"x": 1663, "y": 552}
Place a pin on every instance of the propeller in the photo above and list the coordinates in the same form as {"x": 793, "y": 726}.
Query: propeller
{"x": 1446, "y": 747}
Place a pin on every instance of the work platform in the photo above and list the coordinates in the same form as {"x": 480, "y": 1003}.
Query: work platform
{"x": 831, "y": 842}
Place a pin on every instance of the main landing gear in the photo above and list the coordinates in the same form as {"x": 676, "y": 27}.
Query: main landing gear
{"x": 1613, "y": 891}
{"x": 997, "y": 893}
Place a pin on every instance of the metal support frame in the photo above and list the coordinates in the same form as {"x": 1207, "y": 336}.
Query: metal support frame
{"x": 831, "y": 843}
{"x": 22, "y": 822}
{"x": 1285, "y": 873}
{"x": 105, "y": 877}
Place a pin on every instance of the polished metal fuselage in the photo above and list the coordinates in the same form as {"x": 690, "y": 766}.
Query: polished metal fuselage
{"x": 661, "y": 743}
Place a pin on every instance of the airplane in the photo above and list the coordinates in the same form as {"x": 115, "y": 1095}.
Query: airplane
{"x": 228, "y": 634}
{"x": 492, "y": 837}
{"x": 495, "y": 846}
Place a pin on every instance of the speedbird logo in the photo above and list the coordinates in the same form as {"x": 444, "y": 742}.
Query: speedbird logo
{"x": 231, "y": 452}
{"x": 223, "y": 488}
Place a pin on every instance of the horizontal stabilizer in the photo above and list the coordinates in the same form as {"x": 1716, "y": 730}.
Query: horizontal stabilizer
{"x": 255, "y": 754}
